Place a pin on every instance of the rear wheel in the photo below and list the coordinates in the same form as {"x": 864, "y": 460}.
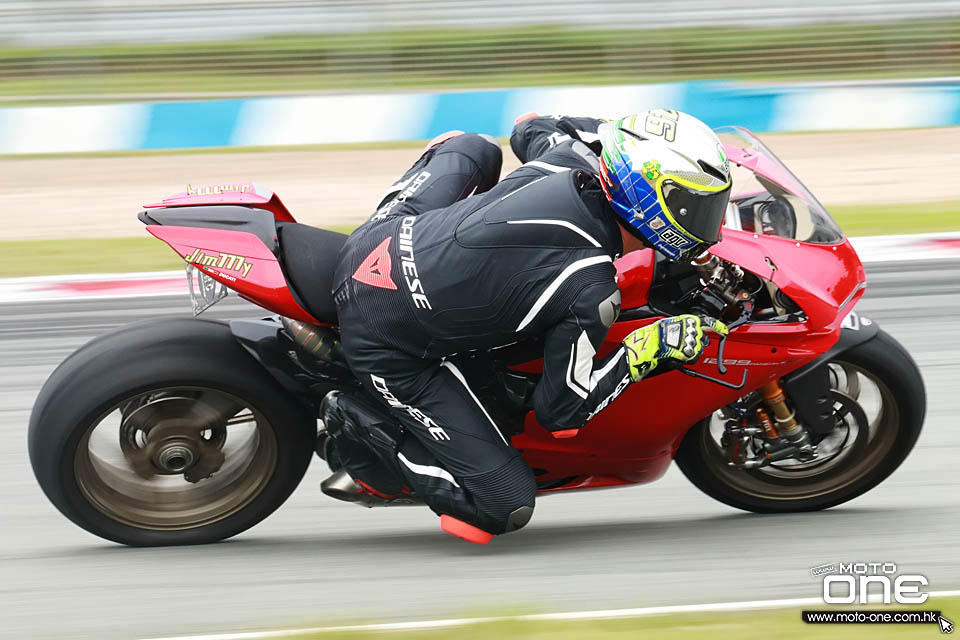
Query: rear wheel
{"x": 167, "y": 433}
{"x": 879, "y": 406}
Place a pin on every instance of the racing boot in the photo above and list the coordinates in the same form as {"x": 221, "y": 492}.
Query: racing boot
{"x": 359, "y": 443}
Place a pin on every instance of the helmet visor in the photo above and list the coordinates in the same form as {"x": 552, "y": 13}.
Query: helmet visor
{"x": 700, "y": 213}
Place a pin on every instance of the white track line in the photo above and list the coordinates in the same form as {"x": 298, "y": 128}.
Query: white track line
{"x": 572, "y": 615}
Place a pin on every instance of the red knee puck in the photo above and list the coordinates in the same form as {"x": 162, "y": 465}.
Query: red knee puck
{"x": 463, "y": 530}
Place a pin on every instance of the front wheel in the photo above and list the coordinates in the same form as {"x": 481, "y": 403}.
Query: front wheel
{"x": 167, "y": 433}
{"x": 879, "y": 404}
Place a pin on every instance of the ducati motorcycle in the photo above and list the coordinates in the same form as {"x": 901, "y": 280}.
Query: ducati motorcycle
{"x": 184, "y": 430}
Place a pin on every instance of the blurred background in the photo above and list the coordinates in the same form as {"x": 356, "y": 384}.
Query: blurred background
{"x": 78, "y": 50}
{"x": 106, "y": 105}
{"x": 327, "y": 98}
{"x": 99, "y": 77}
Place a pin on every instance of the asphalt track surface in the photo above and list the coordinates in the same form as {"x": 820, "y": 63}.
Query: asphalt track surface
{"x": 318, "y": 561}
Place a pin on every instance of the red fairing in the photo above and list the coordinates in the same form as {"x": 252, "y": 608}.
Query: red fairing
{"x": 818, "y": 277}
{"x": 634, "y": 277}
{"x": 243, "y": 193}
{"x": 239, "y": 260}
{"x": 633, "y": 439}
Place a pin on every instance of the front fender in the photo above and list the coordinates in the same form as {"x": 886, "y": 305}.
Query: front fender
{"x": 809, "y": 386}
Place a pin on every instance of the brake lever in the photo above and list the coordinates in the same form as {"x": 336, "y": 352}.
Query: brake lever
{"x": 723, "y": 383}
{"x": 744, "y": 316}
{"x": 722, "y": 368}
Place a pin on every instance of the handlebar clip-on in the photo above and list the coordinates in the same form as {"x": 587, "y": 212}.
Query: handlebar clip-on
{"x": 745, "y": 314}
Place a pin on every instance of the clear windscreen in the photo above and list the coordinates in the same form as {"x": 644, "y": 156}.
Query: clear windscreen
{"x": 767, "y": 198}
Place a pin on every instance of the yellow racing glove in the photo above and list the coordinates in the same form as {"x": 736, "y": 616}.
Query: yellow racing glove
{"x": 678, "y": 340}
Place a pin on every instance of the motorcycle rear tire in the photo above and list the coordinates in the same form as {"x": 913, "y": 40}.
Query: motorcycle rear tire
{"x": 138, "y": 358}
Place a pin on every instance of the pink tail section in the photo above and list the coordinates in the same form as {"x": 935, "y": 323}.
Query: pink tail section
{"x": 245, "y": 193}
{"x": 239, "y": 260}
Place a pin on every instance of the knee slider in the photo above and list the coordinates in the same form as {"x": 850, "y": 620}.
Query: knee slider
{"x": 505, "y": 496}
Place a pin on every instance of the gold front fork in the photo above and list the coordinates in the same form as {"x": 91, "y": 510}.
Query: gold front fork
{"x": 774, "y": 398}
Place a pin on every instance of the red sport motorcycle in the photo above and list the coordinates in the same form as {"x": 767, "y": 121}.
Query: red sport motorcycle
{"x": 184, "y": 430}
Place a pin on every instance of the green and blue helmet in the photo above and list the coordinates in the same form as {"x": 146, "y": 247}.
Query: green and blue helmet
{"x": 667, "y": 177}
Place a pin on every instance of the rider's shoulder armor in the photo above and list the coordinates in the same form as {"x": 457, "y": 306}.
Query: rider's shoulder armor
{"x": 547, "y": 212}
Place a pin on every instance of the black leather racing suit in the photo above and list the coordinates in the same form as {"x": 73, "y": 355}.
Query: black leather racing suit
{"x": 431, "y": 275}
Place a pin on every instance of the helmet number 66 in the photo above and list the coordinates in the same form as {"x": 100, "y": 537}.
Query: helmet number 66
{"x": 662, "y": 122}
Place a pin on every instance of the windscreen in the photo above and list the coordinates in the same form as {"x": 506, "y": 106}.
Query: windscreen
{"x": 767, "y": 198}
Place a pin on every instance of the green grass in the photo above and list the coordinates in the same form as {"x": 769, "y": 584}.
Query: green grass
{"x": 783, "y": 624}
{"x": 118, "y": 255}
{"x": 920, "y": 217}
{"x": 90, "y": 255}
{"x": 477, "y": 58}
{"x": 82, "y": 255}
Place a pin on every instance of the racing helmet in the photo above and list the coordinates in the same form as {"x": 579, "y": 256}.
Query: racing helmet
{"x": 667, "y": 178}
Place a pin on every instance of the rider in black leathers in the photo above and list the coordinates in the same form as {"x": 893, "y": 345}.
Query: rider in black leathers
{"x": 434, "y": 273}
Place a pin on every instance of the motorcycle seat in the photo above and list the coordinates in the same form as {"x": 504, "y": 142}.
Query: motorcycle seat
{"x": 309, "y": 256}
